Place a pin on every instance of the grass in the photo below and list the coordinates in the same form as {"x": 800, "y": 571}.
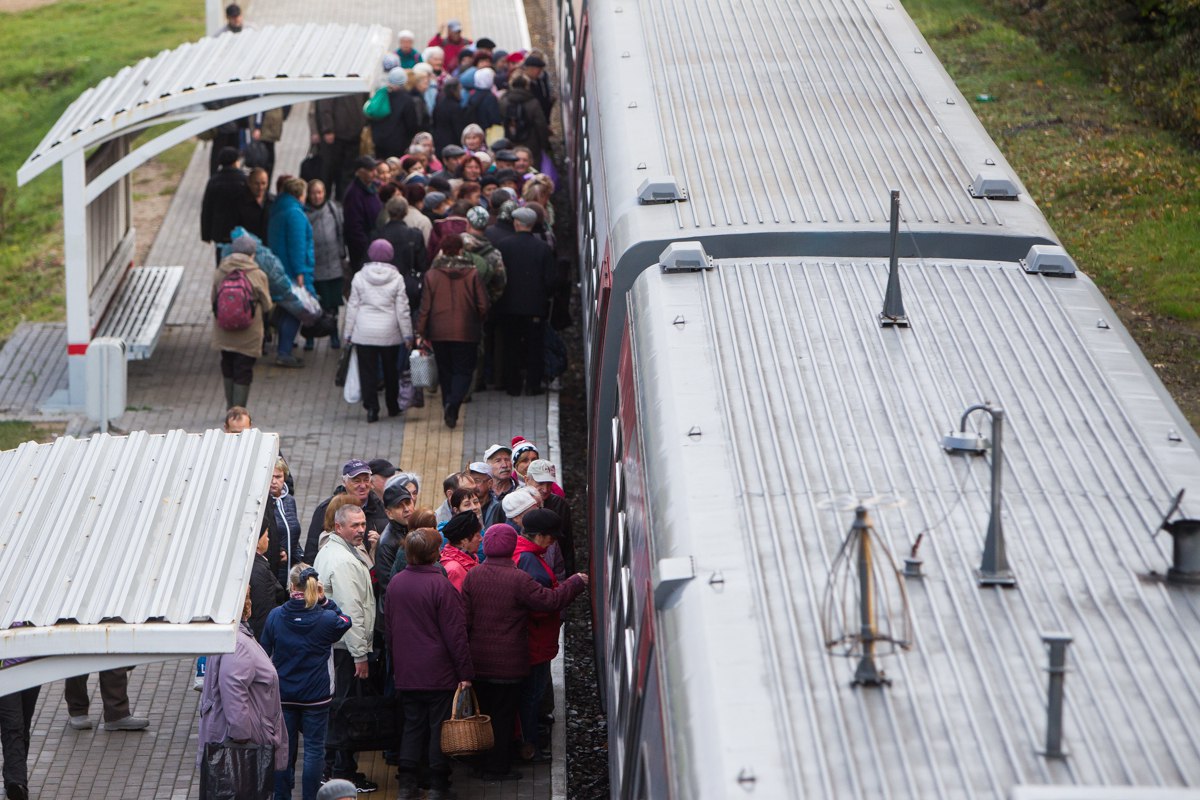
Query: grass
{"x": 1123, "y": 195}
{"x": 16, "y": 432}
{"x": 52, "y": 54}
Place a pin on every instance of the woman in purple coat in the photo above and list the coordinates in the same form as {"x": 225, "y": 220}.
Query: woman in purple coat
{"x": 427, "y": 632}
{"x": 499, "y": 600}
{"x": 241, "y": 697}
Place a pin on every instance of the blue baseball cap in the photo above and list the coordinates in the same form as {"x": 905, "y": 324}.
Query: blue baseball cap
{"x": 355, "y": 466}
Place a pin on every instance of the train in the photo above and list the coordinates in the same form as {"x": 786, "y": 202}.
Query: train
{"x": 884, "y": 501}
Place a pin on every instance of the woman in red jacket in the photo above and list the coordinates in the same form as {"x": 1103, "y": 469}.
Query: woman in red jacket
{"x": 462, "y": 542}
{"x": 500, "y": 599}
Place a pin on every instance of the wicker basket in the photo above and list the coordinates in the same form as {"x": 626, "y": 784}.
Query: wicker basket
{"x": 468, "y": 731}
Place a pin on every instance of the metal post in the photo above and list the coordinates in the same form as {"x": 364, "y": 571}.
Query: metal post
{"x": 214, "y": 16}
{"x": 994, "y": 570}
{"x": 75, "y": 266}
{"x": 867, "y": 674}
{"x": 1054, "y": 709}
{"x": 893, "y": 303}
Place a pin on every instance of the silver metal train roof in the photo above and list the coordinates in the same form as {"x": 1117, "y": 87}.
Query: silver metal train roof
{"x": 805, "y": 407}
{"x": 787, "y": 117}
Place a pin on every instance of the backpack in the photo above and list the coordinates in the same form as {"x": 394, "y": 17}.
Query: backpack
{"x": 234, "y": 306}
{"x": 516, "y": 124}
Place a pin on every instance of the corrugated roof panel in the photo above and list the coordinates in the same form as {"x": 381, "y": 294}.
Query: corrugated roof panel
{"x": 136, "y": 529}
{"x": 331, "y": 57}
{"x": 784, "y": 368}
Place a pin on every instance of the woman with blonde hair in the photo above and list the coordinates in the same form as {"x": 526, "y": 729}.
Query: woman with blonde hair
{"x": 299, "y": 637}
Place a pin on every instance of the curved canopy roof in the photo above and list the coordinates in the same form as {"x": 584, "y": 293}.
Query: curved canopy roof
{"x": 126, "y": 549}
{"x": 292, "y": 60}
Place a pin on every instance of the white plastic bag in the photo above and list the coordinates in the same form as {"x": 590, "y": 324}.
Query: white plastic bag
{"x": 306, "y": 303}
{"x": 352, "y": 391}
{"x": 422, "y": 369}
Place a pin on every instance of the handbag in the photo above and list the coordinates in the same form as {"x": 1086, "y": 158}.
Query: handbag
{"x": 327, "y": 325}
{"x": 232, "y": 771}
{"x": 363, "y": 720}
{"x": 467, "y": 731}
{"x": 313, "y": 166}
{"x": 422, "y": 369}
{"x": 352, "y": 390}
{"x": 339, "y": 377}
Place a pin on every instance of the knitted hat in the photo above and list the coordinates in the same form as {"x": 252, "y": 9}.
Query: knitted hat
{"x": 484, "y": 78}
{"x": 244, "y": 245}
{"x": 390, "y": 62}
{"x": 434, "y": 199}
{"x": 337, "y": 789}
{"x": 462, "y": 525}
{"x": 421, "y": 68}
{"x": 521, "y": 445}
{"x": 517, "y": 502}
{"x": 397, "y": 76}
{"x": 476, "y": 217}
{"x": 405, "y": 34}
{"x": 542, "y": 520}
{"x": 381, "y": 251}
{"x": 499, "y": 541}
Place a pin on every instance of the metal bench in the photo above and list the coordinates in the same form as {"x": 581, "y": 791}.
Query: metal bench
{"x": 138, "y": 312}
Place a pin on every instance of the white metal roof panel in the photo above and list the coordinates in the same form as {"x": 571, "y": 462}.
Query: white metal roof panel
{"x": 806, "y": 406}
{"x": 262, "y": 61}
{"x": 789, "y": 115}
{"x": 114, "y": 544}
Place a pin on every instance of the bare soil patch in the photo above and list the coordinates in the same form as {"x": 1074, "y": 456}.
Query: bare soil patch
{"x": 154, "y": 184}
{"x": 13, "y": 6}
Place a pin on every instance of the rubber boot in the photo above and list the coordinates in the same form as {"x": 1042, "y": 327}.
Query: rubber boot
{"x": 229, "y": 393}
{"x": 241, "y": 394}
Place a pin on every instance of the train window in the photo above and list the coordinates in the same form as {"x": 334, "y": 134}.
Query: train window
{"x": 630, "y": 659}
{"x": 617, "y": 444}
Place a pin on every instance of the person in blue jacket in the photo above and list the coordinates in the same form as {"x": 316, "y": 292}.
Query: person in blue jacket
{"x": 291, "y": 237}
{"x": 299, "y": 636}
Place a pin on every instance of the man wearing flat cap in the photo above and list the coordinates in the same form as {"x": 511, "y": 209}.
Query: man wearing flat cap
{"x": 522, "y": 309}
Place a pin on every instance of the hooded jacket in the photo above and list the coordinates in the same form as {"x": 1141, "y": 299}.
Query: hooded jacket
{"x": 453, "y": 302}
{"x": 328, "y": 244}
{"x": 291, "y": 238}
{"x": 377, "y": 313}
{"x": 537, "y": 134}
{"x": 348, "y": 582}
{"x": 248, "y": 342}
{"x": 300, "y": 641}
{"x": 543, "y": 627}
{"x": 457, "y": 564}
{"x": 500, "y": 600}
{"x": 287, "y": 521}
{"x": 489, "y": 262}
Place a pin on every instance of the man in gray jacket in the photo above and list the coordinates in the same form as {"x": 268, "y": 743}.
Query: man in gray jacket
{"x": 347, "y": 580}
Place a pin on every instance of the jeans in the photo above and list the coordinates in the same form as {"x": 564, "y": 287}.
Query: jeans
{"x": 289, "y": 326}
{"x": 313, "y": 722}
{"x": 532, "y": 689}
{"x": 456, "y": 368}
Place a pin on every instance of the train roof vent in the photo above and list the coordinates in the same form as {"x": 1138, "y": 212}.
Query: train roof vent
{"x": 684, "y": 257}
{"x": 661, "y": 189}
{"x": 992, "y": 184}
{"x": 1048, "y": 259}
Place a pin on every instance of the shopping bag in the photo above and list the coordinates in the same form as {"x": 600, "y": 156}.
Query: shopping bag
{"x": 306, "y": 304}
{"x": 312, "y": 167}
{"x": 422, "y": 369}
{"x": 232, "y": 771}
{"x": 327, "y": 325}
{"x": 352, "y": 391}
{"x": 379, "y": 106}
{"x": 363, "y": 720}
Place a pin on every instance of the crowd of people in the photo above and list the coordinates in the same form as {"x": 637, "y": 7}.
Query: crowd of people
{"x": 397, "y": 590}
{"x": 424, "y": 208}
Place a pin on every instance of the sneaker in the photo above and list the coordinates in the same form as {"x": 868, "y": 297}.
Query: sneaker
{"x": 79, "y": 723}
{"x": 130, "y": 723}
{"x": 198, "y": 683}
{"x": 291, "y": 362}
{"x": 364, "y": 784}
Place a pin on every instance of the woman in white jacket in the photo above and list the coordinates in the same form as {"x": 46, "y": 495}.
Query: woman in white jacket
{"x": 378, "y": 322}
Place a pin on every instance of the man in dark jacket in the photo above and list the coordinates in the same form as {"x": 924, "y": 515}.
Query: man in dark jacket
{"x": 408, "y": 249}
{"x": 360, "y": 210}
{"x": 222, "y": 199}
{"x": 521, "y": 312}
{"x": 339, "y": 123}
{"x": 393, "y": 134}
{"x": 398, "y": 505}
{"x": 524, "y": 119}
{"x": 356, "y": 479}
{"x": 265, "y": 591}
{"x": 534, "y": 66}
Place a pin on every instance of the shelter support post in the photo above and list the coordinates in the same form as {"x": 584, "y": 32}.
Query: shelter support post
{"x": 214, "y": 16}
{"x": 75, "y": 257}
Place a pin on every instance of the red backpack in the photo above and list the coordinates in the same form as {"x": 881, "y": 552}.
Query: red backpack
{"x": 234, "y": 307}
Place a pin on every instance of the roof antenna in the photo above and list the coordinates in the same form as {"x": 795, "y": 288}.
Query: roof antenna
{"x": 866, "y": 610}
{"x": 893, "y": 303}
